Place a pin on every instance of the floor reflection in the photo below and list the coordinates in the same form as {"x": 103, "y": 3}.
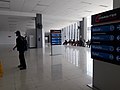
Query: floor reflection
{"x": 89, "y": 63}
{"x": 80, "y": 57}
{"x": 56, "y": 68}
{"x": 56, "y": 71}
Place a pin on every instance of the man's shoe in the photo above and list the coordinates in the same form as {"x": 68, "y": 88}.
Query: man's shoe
{"x": 19, "y": 66}
{"x": 22, "y": 68}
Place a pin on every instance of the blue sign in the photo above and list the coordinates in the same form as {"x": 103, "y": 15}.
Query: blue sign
{"x": 103, "y": 37}
{"x": 55, "y": 37}
{"x": 101, "y": 55}
{"x": 105, "y": 43}
{"x": 103, "y": 47}
{"x": 107, "y": 28}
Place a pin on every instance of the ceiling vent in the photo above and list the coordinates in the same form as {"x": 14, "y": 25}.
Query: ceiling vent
{"x": 4, "y": 4}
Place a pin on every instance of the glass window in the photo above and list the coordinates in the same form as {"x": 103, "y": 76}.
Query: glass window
{"x": 78, "y": 31}
{"x": 69, "y": 33}
{"x": 72, "y": 32}
{"x": 63, "y": 34}
{"x": 75, "y": 25}
{"x": 88, "y": 28}
{"x": 88, "y": 33}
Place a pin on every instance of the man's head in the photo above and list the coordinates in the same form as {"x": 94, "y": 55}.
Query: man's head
{"x": 17, "y": 33}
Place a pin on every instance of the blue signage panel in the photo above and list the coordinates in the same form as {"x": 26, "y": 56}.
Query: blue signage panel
{"x": 55, "y": 37}
{"x": 103, "y": 37}
{"x": 104, "y": 56}
{"x": 102, "y": 47}
{"x": 56, "y": 34}
{"x": 105, "y": 43}
{"x": 107, "y": 28}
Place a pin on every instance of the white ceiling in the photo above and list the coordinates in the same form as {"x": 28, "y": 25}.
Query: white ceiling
{"x": 56, "y": 13}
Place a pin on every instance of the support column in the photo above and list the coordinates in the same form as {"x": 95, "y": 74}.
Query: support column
{"x": 83, "y": 28}
{"x": 39, "y": 38}
{"x": 116, "y": 4}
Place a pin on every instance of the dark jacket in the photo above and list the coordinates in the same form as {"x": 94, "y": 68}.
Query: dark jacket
{"x": 19, "y": 43}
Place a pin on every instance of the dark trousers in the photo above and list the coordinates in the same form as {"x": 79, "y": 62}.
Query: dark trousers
{"x": 22, "y": 59}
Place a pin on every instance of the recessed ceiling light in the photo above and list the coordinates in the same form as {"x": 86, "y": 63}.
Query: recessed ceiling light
{"x": 36, "y": 11}
{"x": 103, "y": 5}
{"x": 42, "y": 5}
{"x": 86, "y": 2}
{"x": 87, "y": 11}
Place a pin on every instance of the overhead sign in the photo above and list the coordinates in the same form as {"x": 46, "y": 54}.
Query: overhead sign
{"x": 105, "y": 36}
{"x": 55, "y": 37}
{"x": 109, "y": 16}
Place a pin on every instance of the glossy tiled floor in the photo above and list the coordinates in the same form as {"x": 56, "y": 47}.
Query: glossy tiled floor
{"x": 69, "y": 68}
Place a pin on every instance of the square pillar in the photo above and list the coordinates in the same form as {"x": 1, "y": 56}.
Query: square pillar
{"x": 39, "y": 38}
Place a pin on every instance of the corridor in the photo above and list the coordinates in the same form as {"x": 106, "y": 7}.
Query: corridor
{"x": 71, "y": 69}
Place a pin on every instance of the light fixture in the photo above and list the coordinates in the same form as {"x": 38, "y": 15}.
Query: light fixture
{"x": 103, "y": 5}
{"x": 86, "y": 2}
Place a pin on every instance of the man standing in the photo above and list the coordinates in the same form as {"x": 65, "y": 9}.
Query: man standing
{"x": 20, "y": 47}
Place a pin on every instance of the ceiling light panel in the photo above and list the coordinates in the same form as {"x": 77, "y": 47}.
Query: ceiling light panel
{"x": 40, "y": 7}
{"x": 5, "y": 4}
{"x": 88, "y": 11}
{"x": 45, "y": 2}
{"x": 12, "y": 21}
{"x": 103, "y": 6}
{"x": 88, "y": 3}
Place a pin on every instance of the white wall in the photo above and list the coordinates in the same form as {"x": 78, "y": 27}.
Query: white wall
{"x": 4, "y": 39}
{"x": 88, "y": 28}
{"x": 89, "y": 21}
{"x": 43, "y": 37}
{"x": 32, "y": 32}
{"x": 10, "y": 24}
